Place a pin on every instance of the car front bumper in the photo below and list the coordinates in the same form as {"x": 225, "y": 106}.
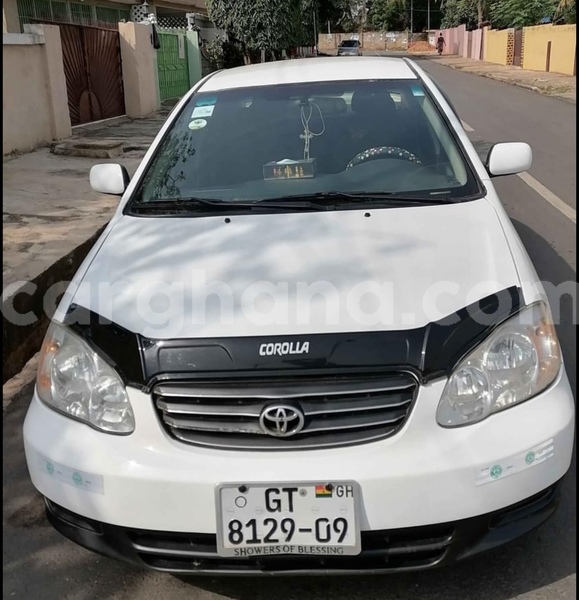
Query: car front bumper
{"x": 409, "y": 549}
{"x": 425, "y": 483}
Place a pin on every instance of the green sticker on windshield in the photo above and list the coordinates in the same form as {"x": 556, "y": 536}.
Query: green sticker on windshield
{"x": 417, "y": 90}
{"x": 210, "y": 101}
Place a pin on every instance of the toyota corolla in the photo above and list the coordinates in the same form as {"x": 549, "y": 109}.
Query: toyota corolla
{"x": 310, "y": 340}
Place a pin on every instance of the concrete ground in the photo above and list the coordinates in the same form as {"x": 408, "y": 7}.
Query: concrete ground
{"x": 555, "y": 85}
{"x": 39, "y": 563}
{"x": 549, "y": 84}
{"x": 51, "y": 217}
{"x": 49, "y": 208}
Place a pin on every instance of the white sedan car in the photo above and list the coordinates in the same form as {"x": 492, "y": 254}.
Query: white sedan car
{"x": 309, "y": 340}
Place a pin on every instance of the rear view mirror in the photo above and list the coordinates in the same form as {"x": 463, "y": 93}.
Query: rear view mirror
{"x": 109, "y": 179}
{"x": 509, "y": 158}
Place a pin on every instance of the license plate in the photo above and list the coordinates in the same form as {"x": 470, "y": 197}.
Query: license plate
{"x": 312, "y": 518}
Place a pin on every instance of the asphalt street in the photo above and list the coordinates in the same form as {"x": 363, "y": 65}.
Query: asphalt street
{"x": 39, "y": 563}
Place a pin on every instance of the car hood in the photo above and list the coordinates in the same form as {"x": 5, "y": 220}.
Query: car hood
{"x": 275, "y": 274}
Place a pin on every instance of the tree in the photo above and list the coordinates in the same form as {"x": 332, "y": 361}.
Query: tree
{"x": 344, "y": 15}
{"x": 397, "y": 15}
{"x": 258, "y": 25}
{"x": 223, "y": 54}
{"x": 460, "y": 12}
{"x": 566, "y": 11}
{"x": 521, "y": 13}
{"x": 388, "y": 15}
{"x": 339, "y": 13}
{"x": 472, "y": 13}
{"x": 481, "y": 6}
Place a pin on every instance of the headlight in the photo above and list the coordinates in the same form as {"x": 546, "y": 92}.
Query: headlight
{"x": 518, "y": 360}
{"x": 75, "y": 381}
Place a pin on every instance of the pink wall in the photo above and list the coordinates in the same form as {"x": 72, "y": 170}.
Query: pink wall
{"x": 461, "y": 35}
{"x": 459, "y": 41}
{"x": 449, "y": 36}
{"x": 454, "y": 37}
{"x": 477, "y": 36}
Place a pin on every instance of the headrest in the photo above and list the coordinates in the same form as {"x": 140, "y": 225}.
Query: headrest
{"x": 372, "y": 103}
{"x": 331, "y": 106}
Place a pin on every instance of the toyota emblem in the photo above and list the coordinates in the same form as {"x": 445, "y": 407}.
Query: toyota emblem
{"x": 281, "y": 420}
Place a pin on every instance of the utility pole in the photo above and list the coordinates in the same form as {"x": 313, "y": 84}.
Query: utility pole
{"x": 411, "y": 18}
{"x": 364, "y": 16}
{"x": 428, "y": 25}
{"x": 315, "y": 33}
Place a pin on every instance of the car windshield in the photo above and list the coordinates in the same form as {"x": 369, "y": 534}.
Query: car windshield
{"x": 298, "y": 140}
{"x": 349, "y": 44}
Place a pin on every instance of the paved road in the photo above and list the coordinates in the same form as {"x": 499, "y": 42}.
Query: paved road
{"x": 508, "y": 113}
{"x": 38, "y": 563}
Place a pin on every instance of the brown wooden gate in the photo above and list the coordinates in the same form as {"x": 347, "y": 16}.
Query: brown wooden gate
{"x": 518, "y": 48}
{"x": 92, "y": 66}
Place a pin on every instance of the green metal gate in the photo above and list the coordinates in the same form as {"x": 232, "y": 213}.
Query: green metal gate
{"x": 173, "y": 65}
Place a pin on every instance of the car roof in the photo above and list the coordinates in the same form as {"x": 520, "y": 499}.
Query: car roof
{"x": 309, "y": 70}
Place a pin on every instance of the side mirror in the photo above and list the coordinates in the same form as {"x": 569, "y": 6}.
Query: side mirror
{"x": 509, "y": 158}
{"x": 109, "y": 179}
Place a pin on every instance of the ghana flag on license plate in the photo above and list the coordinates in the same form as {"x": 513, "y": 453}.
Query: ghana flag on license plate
{"x": 323, "y": 492}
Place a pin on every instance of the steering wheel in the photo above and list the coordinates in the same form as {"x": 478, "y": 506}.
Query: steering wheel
{"x": 381, "y": 152}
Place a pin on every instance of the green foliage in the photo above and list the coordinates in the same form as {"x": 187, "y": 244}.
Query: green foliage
{"x": 340, "y": 13}
{"x": 504, "y": 13}
{"x": 303, "y": 33}
{"x": 388, "y": 15}
{"x": 459, "y": 12}
{"x": 223, "y": 54}
{"x": 269, "y": 25}
{"x": 398, "y": 15}
{"x": 521, "y": 13}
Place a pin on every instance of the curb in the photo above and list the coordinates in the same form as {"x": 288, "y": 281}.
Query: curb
{"x": 102, "y": 124}
{"x": 22, "y": 342}
{"x": 14, "y": 386}
{"x": 531, "y": 88}
{"x": 514, "y": 82}
{"x": 89, "y": 149}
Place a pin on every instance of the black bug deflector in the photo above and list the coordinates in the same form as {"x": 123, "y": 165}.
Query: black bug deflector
{"x": 428, "y": 352}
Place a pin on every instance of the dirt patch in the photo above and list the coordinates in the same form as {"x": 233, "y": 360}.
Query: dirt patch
{"x": 420, "y": 47}
{"x": 28, "y": 516}
{"x": 70, "y": 173}
{"x": 19, "y": 218}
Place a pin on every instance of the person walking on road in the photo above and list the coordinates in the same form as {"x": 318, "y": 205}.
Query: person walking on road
{"x": 440, "y": 43}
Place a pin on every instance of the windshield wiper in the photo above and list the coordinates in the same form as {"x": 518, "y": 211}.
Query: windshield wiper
{"x": 312, "y": 202}
{"x": 193, "y": 204}
{"x": 178, "y": 204}
{"x": 347, "y": 197}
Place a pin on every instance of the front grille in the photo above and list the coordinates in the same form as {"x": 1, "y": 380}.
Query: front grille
{"x": 336, "y": 411}
{"x": 414, "y": 548}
